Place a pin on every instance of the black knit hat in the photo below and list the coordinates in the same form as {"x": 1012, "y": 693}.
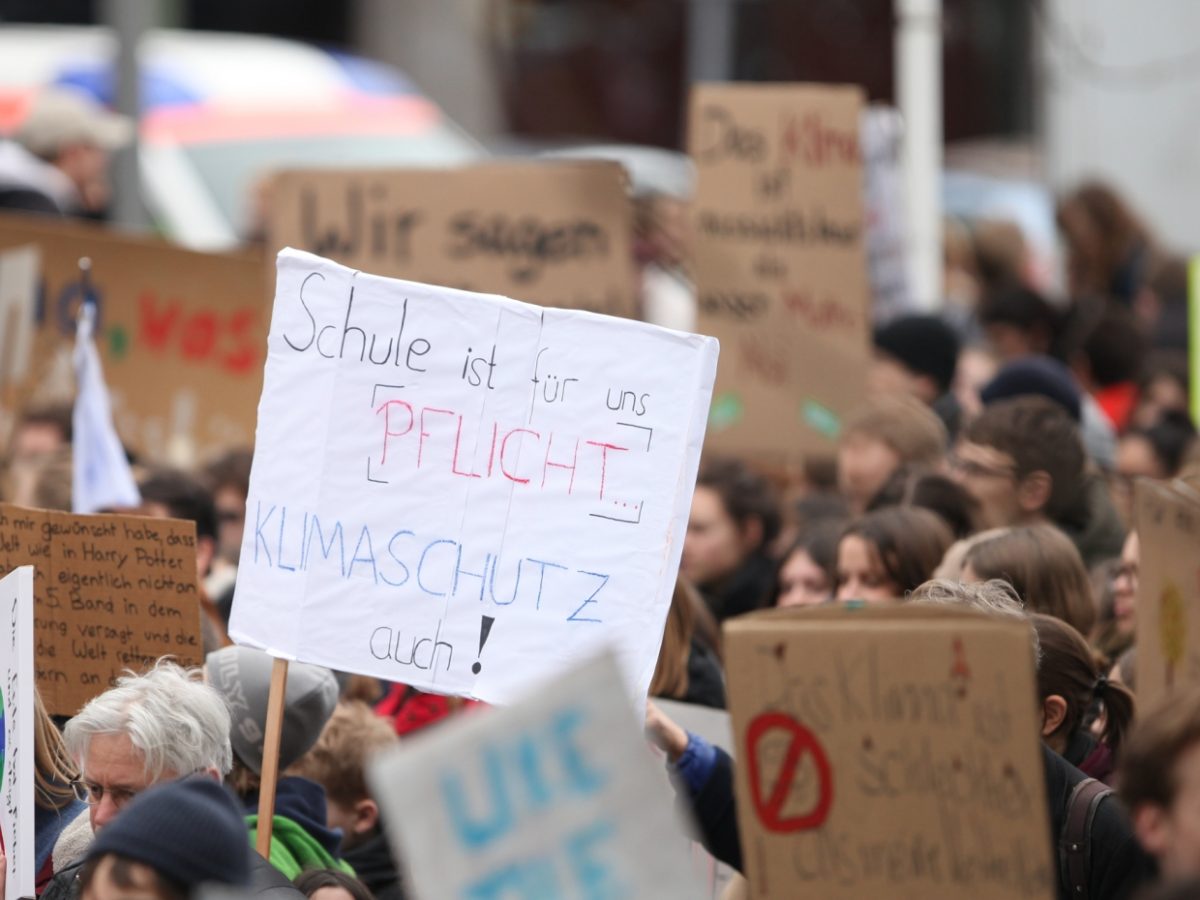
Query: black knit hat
{"x": 190, "y": 832}
{"x": 1039, "y": 375}
{"x": 924, "y": 344}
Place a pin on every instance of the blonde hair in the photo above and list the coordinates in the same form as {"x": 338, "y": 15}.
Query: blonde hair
{"x": 338, "y": 761}
{"x": 53, "y": 770}
{"x": 907, "y": 426}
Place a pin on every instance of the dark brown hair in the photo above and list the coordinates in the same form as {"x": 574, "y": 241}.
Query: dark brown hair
{"x": 1040, "y": 436}
{"x": 1069, "y": 670}
{"x": 311, "y": 881}
{"x": 122, "y": 875}
{"x": 1147, "y": 769}
{"x": 744, "y": 493}
{"x": 931, "y": 491}
{"x": 1044, "y": 567}
{"x": 910, "y": 542}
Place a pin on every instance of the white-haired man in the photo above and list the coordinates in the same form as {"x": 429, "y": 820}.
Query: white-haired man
{"x": 149, "y": 729}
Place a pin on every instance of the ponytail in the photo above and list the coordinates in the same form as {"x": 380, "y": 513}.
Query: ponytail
{"x": 1118, "y": 704}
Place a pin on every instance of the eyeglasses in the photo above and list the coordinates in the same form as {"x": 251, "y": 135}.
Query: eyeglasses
{"x": 972, "y": 469}
{"x": 94, "y": 794}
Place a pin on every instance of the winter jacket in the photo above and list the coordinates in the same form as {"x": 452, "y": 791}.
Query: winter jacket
{"x": 374, "y": 866}
{"x": 300, "y": 839}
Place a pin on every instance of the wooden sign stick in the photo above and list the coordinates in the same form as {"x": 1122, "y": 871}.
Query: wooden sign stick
{"x": 270, "y": 766}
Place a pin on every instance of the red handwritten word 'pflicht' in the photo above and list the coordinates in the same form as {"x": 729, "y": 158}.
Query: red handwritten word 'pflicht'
{"x": 803, "y": 741}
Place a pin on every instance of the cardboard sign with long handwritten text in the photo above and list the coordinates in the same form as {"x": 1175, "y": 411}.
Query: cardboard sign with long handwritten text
{"x": 464, "y": 492}
{"x": 888, "y": 752}
{"x": 112, "y": 593}
{"x": 17, "y": 732}
{"x": 181, "y": 334}
{"x": 556, "y": 233}
{"x": 555, "y": 796}
{"x": 1168, "y": 608}
{"x": 780, "y": 262}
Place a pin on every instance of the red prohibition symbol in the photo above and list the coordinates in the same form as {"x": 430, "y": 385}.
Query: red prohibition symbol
{"x": 802, "y": 741}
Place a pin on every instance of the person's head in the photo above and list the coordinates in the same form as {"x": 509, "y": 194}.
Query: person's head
{"x": 1125, "y": 586}
{"x": 172, "y": 494}
{"x": 808, "y": 572}
{"x": 1070, "y": 683}
{"x": 159, "y": 726}
{"x": 996, "y": 598}
{"x": 1022, "y": 460}
{"x": 1101, "y": 233}
{"x": 41, "y": 431}
{"x": 887, "y": 433}
{"x": 1157, "y": 450}
{"x": 914, "y": 356}
{"x": 75, "y": 134}
{"x": 229, "y": 478}
{"x": 338, "y": 762}
{"x": 1112, "y": 349}
{"x": 932, "y": 491}
{"x": 1001, "y": 254}
{"x": 1159, "y": 781}
{"x": 1044, "y": 568}
{"x": 1019, "y": 322}
{"x": 1042, "y": 376}
{"x": 330, "y": 884}
{"x": 735, "y": 514}
{"x": 172, "y": 839}
{"x": 1162, "y": 388}
{"x": 242, "y": 678}
{"x": 884, "y": 555}
{"x": 53, "y": 769}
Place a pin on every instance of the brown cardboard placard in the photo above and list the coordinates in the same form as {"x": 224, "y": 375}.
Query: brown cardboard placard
{"x": 182, "y": 335}
{"x": 1167, "y": 520}
{"x": 110, "y": 593}
{"x": 552, "y": 233}
{"x": 888, "y": 751}
{"x": 780, "y": 262}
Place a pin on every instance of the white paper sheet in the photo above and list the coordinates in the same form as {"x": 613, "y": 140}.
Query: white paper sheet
{"x": 463, "y": 492}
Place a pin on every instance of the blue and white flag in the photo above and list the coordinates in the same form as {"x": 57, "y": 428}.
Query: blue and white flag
{"x": 100, "y": 477}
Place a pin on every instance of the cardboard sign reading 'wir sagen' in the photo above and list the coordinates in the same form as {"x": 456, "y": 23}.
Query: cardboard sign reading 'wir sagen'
{"x": 555, "y": 796}
{"x": 112, "y": 593}
{"x": 558, "y": 234}
{"x": 1168, "y": 606}
{"x": 888, "y": 752}
{"x": 780, "y": 262}
{"x": 181, "y": 334}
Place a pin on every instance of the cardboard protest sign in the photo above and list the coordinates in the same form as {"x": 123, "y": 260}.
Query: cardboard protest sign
{"x": 1167, "y": 519}
{"x": 112, "y": 593}
{"x": 553, "y": 233}
{"x": 779, "y": 262}
{"x": 463, "y": 492}
{"x": 888, "y": 751}
{"x": 555, "y": 796}
{"x": 181, "y": 334}
{"x": 17, "y": 732}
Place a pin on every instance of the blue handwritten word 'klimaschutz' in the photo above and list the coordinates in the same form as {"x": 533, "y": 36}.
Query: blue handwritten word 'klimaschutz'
{"x": 528, "y": 781}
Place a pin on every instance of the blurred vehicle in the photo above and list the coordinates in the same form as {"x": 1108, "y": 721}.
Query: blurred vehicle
{"x": 221, "y": 111}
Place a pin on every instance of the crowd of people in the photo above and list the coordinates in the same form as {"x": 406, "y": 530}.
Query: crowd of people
{"x": 991, "y": 465}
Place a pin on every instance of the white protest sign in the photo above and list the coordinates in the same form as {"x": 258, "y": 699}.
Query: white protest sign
{"x": 555, "y": 796}
{"x": 16, "y": 734}
{"x": 463, "y": 492}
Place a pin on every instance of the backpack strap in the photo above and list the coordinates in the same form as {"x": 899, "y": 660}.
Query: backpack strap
{"x": 1075, "y": 842}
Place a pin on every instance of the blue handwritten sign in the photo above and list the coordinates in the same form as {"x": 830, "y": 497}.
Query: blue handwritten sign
{"x": 553, "y": 797}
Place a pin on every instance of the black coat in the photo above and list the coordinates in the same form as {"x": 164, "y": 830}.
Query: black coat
{"x": 373, "y": 865}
